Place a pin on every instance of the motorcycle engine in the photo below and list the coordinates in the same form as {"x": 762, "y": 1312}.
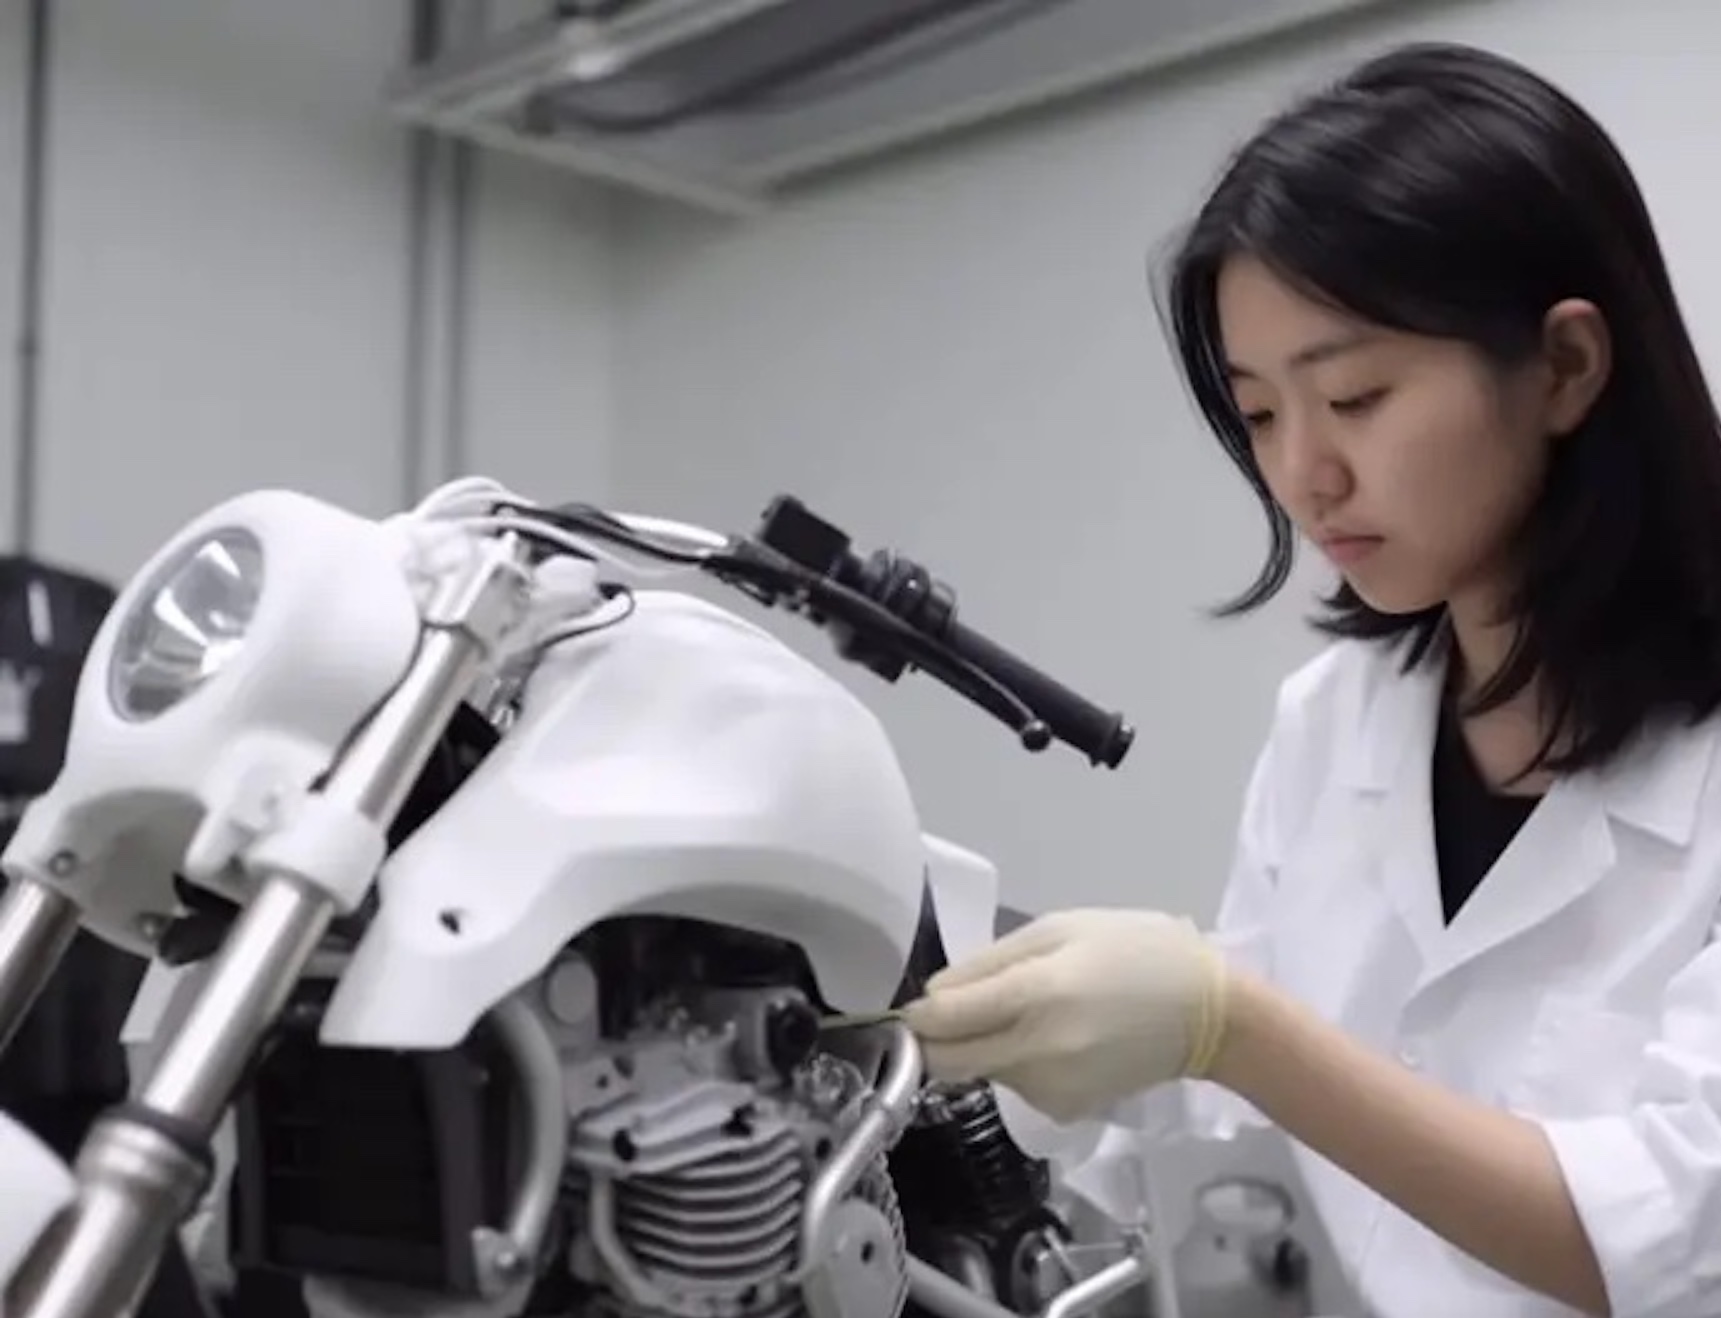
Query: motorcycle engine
{"x": 702, "y": 1100}
{"x": 697, "y": 1136}
{"x": 701, "y": 1107}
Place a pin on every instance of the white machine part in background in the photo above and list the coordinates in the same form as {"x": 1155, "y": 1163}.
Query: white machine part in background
{"x": 525, "y": 903}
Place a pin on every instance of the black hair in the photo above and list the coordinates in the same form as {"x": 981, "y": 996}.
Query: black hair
{"x": 1449, "y": 192}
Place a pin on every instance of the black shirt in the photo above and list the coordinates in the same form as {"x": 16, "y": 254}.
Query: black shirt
{"x": 1473, "y": 823}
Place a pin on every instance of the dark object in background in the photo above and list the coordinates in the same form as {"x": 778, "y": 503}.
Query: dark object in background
{"x": 66, "y": 1064}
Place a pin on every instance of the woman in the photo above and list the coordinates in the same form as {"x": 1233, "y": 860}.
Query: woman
{"x": 1466, "y": 958}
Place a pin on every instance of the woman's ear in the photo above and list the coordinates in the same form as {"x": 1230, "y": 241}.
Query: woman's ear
{"x": 1577, "y": 349}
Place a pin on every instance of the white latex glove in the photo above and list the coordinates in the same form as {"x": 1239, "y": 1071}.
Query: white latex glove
{"x": 1078, "y": 1010}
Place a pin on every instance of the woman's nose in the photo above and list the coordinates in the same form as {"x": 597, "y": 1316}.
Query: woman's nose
{"x": 1315, "y": 473}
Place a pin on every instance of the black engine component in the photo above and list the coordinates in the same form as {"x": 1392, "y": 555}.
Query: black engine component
{"x": 641, "y": 959}
{"x": 962, "y": 1170}
{"x": 968, "y": 1188}
{"x": 369, "y": 1164}
{"x": 959, "y": 1174}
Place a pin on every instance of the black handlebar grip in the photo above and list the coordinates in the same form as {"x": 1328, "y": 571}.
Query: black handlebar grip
{"x": 1104, "y": 738}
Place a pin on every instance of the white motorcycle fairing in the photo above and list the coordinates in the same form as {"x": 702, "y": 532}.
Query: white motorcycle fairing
{"x": 680, "y": 762}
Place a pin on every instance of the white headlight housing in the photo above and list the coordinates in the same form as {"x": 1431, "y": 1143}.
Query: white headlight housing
{"x": 223, "y": 681}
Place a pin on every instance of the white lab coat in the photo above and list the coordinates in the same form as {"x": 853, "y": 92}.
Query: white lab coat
{"x": 1580, "y": 986}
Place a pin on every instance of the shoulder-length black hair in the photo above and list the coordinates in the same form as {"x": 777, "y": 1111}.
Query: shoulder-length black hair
{"x": 1446, "y": 191}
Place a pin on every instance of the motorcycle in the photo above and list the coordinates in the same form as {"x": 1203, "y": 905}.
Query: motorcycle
{"x": 536, "y": 930}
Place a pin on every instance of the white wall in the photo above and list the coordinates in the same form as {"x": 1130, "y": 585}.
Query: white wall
{"x": 957, "y": 354}
{"x": 539, "y": 388}
{"x": 227, "y": 278}
{"x": 954, "y": 353}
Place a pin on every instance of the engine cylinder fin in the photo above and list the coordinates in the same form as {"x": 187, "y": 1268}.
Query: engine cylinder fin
{"x": 729, "y": 1221}
{"x": 738, "y": 1225}
{"x": 717, "y": 1198}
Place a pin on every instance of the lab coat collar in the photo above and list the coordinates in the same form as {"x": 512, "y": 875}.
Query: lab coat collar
{"x": 1393, "y": 715}
{"x": 1567, "y": 846}
{"x": 1657, "y": 784}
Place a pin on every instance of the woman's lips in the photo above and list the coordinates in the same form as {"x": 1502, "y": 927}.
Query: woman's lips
{"x": 1349, "y": 550}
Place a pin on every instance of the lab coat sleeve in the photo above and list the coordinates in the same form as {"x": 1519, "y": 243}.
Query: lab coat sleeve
{"x": 1647, "y": 1182}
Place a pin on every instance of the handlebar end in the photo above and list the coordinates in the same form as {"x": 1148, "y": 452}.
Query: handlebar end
{"x": 1112, "y": 751}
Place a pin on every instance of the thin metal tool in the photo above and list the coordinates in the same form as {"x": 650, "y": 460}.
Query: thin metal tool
{"x": 857, "y": 1020}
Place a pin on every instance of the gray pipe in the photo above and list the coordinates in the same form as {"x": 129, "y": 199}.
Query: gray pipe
{"x": 32, "y": 271}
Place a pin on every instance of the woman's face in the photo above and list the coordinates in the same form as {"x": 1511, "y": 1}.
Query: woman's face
{"x": 1411, "y": 462}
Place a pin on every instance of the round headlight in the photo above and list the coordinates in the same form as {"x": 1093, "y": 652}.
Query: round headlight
{"x": 188, "y": 625}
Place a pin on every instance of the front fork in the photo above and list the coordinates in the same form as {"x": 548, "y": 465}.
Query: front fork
{"x": 145, "y": 1164}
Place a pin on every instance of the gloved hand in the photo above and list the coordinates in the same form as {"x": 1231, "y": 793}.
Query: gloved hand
{"x": 1078, "y": 1010}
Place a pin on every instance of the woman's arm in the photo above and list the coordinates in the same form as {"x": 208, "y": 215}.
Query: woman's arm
{"x": 1486, "y": 1181}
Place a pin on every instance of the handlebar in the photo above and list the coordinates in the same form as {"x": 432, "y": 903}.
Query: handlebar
{"x": 1105, "y": 738}
{"x": 889, "y": 614}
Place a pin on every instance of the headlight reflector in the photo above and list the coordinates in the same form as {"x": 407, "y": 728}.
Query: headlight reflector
{"x": 188, "y": 625}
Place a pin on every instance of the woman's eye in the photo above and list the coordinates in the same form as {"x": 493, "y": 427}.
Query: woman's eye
{"x": 1257, "y": 420}
{"x": 1356, "y": 404}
